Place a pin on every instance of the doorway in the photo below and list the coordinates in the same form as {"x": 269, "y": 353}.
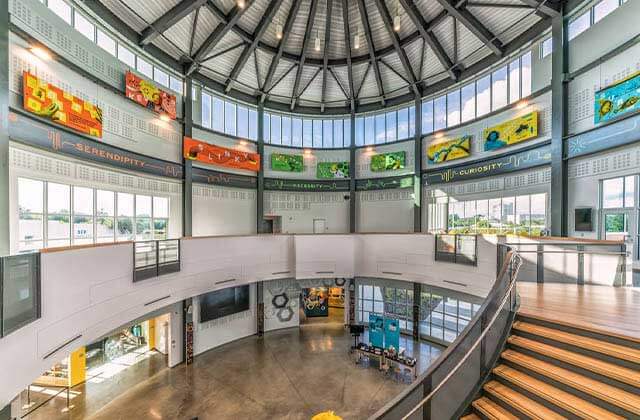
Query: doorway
{"x": 322, "y": 305}
{"x": 617, "y": 225}
{"x": 319, "y": 225}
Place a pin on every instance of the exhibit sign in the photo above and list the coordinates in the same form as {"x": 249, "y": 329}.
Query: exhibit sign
{"x": 511, "y": 132}
{"x": 618, "y": 99}
{"x": 147, "y": 94}
{"x": 316, "y": 301}
{"x": 376, "y": 330}
{"x": 48, "y": 101}
{"x": 391, "y": 333}
{"x": 449, "y": 150}
{"x": 302, "y": 185}
{"x": 538, "y": 156}
{"x": 332, "y": 170}
{"x": 287, "y": 163}
{"x": 389, "y": 183}
{"x": 222, "y": 156}
{"x": 225, "y": 179}
{"x": 388, "y": 161}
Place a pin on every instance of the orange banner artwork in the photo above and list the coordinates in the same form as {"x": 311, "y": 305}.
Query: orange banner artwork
{"x": 216, "y": 155}
{"x": 150, "y": 96}
{"x": 52, "y": 103}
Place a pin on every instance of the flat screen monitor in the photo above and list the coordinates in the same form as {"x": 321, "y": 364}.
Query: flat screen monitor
{"x": 223, "y": 302}
{"x": 583, "y": 220}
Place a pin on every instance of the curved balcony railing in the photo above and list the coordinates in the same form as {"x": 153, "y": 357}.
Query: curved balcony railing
{"x": 449, "y": 385}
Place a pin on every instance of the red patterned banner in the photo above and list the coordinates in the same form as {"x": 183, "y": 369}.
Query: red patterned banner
{"x": 217, "y": 155}
{"x": 150, "y": 96}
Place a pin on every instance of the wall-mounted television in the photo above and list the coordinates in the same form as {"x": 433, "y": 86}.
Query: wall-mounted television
{"x": 223, "y": 302}
{"x": 583, "y": 220}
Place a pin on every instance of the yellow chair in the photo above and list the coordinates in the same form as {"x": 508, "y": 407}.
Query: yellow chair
{"x": 326, "y": 415}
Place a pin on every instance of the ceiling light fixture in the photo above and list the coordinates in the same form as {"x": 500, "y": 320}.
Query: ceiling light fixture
{"x": 396, "y": 18}
{"x": 241, "y": 4}
{"x": 356, "y": 40}
{"x": 165, "y": 117}
{"x": 278, "y": 31}
{"x": 41, "y": 53}
{"x": 317, "y": 42}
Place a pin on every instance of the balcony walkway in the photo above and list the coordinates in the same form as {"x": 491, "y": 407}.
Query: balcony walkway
{"x": 615, "y": 311}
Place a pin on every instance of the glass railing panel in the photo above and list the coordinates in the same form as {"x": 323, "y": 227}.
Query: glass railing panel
{"x": 20, "y": 291}
{"x": 145, "y": 254}
{"x": 155, "y": 258}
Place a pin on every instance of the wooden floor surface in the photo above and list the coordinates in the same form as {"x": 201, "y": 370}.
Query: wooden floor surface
{"x": 614, "y": 311}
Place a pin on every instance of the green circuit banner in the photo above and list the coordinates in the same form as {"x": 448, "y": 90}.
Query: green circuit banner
{"x": 287, "y": 163}
{"x": 332, "y": 170}
{"x": 388, "y": 161}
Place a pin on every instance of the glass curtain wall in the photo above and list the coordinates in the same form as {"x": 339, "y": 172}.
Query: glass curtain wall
{"x": 52, "y": 214}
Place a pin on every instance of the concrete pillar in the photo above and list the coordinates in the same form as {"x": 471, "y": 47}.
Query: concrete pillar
{"x": 4, "y": 128}
{"x": 187, "y": 185}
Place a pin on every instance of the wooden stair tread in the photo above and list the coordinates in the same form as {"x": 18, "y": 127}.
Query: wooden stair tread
{"x": 610, "y": 370}
{"x": 525, "y": 405}
{"x": 605, "y": 392}
{"x": 470, "y": 417}
{"x": 491, "y": 410}
{"x": 610, "y": 349}
{"x": 558, "y": 397}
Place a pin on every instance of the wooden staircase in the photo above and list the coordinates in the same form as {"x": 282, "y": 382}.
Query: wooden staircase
{"x": 553, "y": 371}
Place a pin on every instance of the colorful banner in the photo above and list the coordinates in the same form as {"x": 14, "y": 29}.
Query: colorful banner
{"x": 449, "y": 150}
{"x": 388, "y": 161}
{"x": 511, "y": 132}
{"x": 287, "y": 163}
{"x": 52, "y": 103}
{"x": 217, "y": 155}
{"x": 150, "y": 96}
{"x": 332, "y": 170}
{"x": 618, "y": 99}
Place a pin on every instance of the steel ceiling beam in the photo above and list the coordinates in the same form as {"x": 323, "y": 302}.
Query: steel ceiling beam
{"x": 170, "y": 18}
{"x": 428, "y": 36}
{"x": 546, "y": 7}
{"x": 305, "y": 45}
{"x": 291, "y": 17}
{"x": 472, "y": 24}
{"x": 395, "y": 40}
{"x": 218, "y": 33}
{"x": 371, "y": 47}
{"x": 325, "y": 54}
{"x": 258, "y": 33}
{"x": 347, "y": 39}
{"x": 194, "y": 25}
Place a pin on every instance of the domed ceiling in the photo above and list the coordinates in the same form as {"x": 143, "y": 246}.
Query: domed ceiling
{"x": 329, "y": 55}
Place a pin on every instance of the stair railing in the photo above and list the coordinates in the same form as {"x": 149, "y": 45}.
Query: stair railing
{"x": 447, "y": 388}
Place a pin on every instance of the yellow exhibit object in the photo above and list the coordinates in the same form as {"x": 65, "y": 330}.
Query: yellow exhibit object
{"x": 77, "y": 366}
{"x": 152, "y": 333}
{"x": 326, "y": 415}
{"x": 511, "y": 132}
{"x": 445, "y": 151}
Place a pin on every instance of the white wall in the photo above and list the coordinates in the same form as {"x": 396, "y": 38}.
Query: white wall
{"x": 277, "y": 318}
{"x": 299, "y": 209}
{"x": 363, "y": 159}
{"x": 125, "y": 123}
{"x": 217, "y": 332}
{"x": 385, "y": 210}
{"x": 223, "y": 211}
{"x": 311, "y": 158}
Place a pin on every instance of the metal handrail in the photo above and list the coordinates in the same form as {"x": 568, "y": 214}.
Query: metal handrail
{"x": 513, "y": 260}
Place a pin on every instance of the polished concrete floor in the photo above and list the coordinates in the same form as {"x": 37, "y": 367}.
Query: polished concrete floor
{"x": 290, "y": 374}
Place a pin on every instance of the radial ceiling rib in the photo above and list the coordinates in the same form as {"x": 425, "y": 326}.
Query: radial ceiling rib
{"x": 262, "y": 27}
{"x": 291, "y": 17}
{"x": 546, "y": 7}
{"x": 372, "y": 52}
{"x": 218, "y": 33}
{"x": 305, "y": 46}
{"x": 467, "y": 19}
{"x": 423, "y": 27}
{"x": 347, "y": 39}
{"x": 395, "y": 40}
{"x": 325, "y": 56}
{"x": 170, "y": 18}
{"x": 194, "y": 25}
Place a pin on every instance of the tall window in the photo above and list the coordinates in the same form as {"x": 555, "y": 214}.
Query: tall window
{"x": 618, "y": 192}
{"x": 61, "y": 8}
{"x": 30, "y": 214}
{"x": 160, "y": 217}
{"x": 125, "y": 217}
{"x": 83, "y": 26}
{"x": 82, "y": 215}
{"x": 143, "y": 217}
{"x": 230, "y": 118}
{"x": 105, "y": 216}
{"x": 58, "y": 215}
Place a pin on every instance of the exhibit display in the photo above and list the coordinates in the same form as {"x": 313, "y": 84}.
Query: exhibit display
{"x": 332, "y": 170}
{"x": 316, "y": 301}
{"x": 449, "y": 150}
{"x": 147, "y": 94}
{"x": 48, "y": 101}
{"x": 511, "y": 132}
{"x": 287, "y": 163}
{"x": 223, "y": 302}
{"x": 388, "y": 161}
{"x": 620, "y": 98}
{"x": 218, "y": 155}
